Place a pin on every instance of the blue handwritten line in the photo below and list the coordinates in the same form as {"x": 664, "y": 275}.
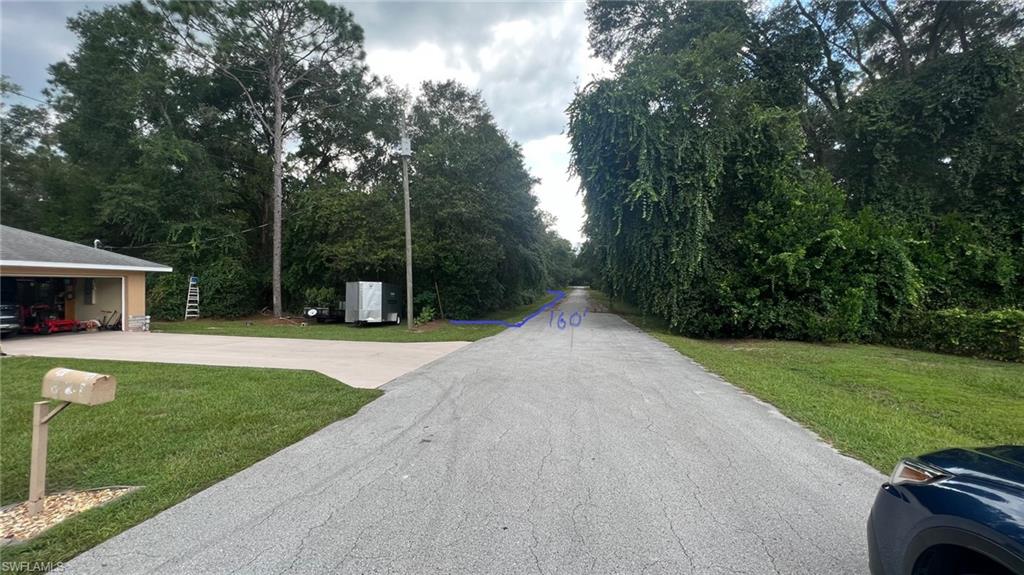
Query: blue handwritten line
{"x": 559, "y": 296}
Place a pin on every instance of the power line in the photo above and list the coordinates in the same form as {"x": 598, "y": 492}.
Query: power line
{"x": 295, "y": 213}
{"x": 183, "y": 244}
{"x": 98, "y": 119}
{"x": 163, "y": 244}
{"x": 33, "y": 98}
{"x": 155, "y": 244}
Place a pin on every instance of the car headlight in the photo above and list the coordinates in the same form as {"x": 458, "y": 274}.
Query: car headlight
{"x": 909, "y": 472}
{"x": 311, "y": 312}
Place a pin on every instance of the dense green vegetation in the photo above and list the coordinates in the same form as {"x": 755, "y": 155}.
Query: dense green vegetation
{"x": 173, "y": 430}
{"x": 817, "y": 170}
{"x": 997, "y": 334}
{"x": 160, "y": 136}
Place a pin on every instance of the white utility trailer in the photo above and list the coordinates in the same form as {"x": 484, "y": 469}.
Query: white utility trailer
{"x": 372, "y": 302}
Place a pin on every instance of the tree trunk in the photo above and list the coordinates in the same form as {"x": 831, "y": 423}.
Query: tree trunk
{"x": 278, "y": 192}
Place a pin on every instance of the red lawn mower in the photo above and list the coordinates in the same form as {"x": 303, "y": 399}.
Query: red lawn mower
{"x": 37, "y": 319}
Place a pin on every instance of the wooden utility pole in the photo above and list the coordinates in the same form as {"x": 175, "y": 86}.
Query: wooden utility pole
{"x": 406, "y": 152}
{"x": 277, "y": 88}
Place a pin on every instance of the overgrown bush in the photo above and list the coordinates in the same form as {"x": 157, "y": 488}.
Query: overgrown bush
{"x": 225, "y": 290}
{"x": 426, "y": 315}
{"x": 740, "y": 181}
{"x": 322, "y": 296}
{"x": 995, "y": 334}
{"x": 423, "y": 306}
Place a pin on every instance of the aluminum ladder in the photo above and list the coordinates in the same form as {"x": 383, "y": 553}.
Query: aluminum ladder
{"x": 192, "y": 303}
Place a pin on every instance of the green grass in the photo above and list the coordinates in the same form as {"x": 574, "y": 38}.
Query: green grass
{"x": 172, "y": 429}
{"x": 873, "y": 402}
{"x": 261, "y": 327}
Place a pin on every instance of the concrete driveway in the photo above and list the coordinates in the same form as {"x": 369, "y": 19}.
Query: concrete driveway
{"x": 591, "y": 451}
{"x": 356, "y": 363}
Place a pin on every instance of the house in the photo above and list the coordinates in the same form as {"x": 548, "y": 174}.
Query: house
{"x": 71, "y": 281}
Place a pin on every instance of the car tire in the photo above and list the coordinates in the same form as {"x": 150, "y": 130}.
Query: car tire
{"x": 950, "y": 560}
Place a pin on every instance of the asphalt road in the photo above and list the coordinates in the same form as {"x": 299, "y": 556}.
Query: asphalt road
{"x": 590, "y": 450}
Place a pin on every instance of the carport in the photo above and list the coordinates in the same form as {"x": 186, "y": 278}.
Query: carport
{"x": 46, "y": 276}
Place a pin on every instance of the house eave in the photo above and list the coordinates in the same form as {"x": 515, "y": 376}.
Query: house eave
{"x": 77, "y": 266}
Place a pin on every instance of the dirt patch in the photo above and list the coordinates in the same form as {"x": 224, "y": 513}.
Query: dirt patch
{"x": 429, "y": 326}
{"x": 283, "y": 321}
{"x": 260, "y": 319}
{"x": 16, "y": 525}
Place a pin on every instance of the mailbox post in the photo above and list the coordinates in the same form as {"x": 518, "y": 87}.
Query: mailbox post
{"x": 66, "y": 386}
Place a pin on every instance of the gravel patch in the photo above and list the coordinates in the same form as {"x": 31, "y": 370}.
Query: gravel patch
{"x": 16, "y": 525}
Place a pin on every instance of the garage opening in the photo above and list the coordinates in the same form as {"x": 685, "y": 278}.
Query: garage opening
{"x": 47, "y": 305}
{"x": 49, "y": 285}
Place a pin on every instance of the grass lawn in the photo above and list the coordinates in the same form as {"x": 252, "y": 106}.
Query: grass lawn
{"x": 173, "y": 429}
{"x": 873, "y": 402}
{"x": 265, "y": 327}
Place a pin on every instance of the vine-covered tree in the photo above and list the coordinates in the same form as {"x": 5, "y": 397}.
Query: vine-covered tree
{"x": 803, "y": 171}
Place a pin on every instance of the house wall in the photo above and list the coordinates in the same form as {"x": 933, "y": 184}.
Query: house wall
{"x": 108, "y": 297}
{"x": 135, "y": 293}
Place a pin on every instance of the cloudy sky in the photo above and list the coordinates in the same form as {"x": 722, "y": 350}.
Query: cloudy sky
{"x": 525, "y": 57}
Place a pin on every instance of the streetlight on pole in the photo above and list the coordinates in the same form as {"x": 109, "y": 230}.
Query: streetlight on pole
{"x": 406, "y": 152}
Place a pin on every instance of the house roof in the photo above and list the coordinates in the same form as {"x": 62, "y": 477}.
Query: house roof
{"x": 27, "y": 249}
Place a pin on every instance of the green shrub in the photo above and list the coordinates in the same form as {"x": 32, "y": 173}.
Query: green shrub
{"x": 325, "y": 296}
{"x": 426, "y": 315}
{"x": 995, "y": 334}
{"x": 227, "y": 288}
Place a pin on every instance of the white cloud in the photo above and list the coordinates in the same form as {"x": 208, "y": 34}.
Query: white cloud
{"x": 548, "y": 159}
{"x": 526, "y": 62}
{"x": 426, "y": 61}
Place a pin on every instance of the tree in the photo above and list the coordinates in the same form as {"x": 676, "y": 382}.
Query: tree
{"x": 339, "y": 233}
{"x": 156, "y": 160}
{"x": 162, "y": 141}
{"x": 821, "y": 169}
{"x": 476, "y": 228}
{"x": 283, "y": 56}
{"x": 27, "y": 160}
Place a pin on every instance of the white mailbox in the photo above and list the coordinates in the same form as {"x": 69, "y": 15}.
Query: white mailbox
{"x": 82, "y": 387}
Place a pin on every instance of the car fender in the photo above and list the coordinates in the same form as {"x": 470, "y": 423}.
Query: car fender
{"x": 973, "y": 540}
